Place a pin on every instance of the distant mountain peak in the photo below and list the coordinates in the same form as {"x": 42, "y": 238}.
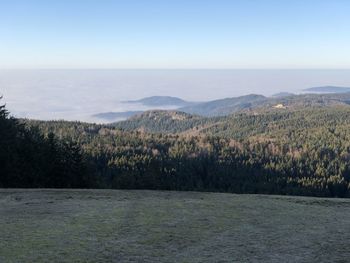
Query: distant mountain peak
{"x": 282, "y": 94}
{"x": 161, "y": 101}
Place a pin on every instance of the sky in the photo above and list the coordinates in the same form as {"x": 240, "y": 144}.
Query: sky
{"x": 181, "y": 34}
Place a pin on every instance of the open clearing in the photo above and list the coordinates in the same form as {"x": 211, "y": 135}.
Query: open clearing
{"x": 154, "y": 226}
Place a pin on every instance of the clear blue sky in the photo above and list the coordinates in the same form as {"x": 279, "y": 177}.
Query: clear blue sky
{"x": 174, "y": 34}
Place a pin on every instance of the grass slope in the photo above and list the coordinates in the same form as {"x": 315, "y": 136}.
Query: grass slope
{"x": 150, "y": 226}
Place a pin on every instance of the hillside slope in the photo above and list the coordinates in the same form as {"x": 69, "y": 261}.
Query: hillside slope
{"x": 276, "y": 151}
{"x": 159, "y": 121}
{"x": 258, "y": 102}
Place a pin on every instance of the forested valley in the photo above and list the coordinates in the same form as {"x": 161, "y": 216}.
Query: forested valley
{"x": 299, "y": 152}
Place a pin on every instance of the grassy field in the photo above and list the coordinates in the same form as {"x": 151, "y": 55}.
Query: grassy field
{"x": 151, "y": 226}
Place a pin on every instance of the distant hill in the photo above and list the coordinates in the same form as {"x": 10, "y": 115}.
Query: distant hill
{"x": 162, "y": 121}
{"x": 114, "y": 116}
{"x": 250, "y": 103}
{"x": 161, "y": 101}
{"x": 226, "y": 106}
{"x": 328, "y": 89}
{"x": 282, "y": 94}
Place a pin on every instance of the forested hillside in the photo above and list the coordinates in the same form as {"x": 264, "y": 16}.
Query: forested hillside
{"x": 302, "y": 151}
{"x": 160, "y": 121}
{"x": 253, "y": 102}
{"x": 299, "y": 152}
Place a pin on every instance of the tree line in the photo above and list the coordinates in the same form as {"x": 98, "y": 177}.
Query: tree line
{"x": 30, "y": 159}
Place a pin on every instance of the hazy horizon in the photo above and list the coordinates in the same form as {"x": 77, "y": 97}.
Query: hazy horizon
{"x": 78, "y": 94}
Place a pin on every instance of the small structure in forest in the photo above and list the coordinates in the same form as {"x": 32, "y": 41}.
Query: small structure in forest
{"x": 279, "y": 106}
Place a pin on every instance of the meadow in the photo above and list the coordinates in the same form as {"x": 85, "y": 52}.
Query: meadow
{"x": 158, "y": 226}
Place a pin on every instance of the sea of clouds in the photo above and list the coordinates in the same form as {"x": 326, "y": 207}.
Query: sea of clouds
{"x": 79, "y": 94}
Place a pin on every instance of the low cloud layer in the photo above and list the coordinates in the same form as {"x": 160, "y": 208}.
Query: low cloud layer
{"x": 78, "y": 94}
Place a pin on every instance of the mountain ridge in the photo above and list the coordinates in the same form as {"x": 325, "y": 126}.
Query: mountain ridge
{"x": 254, "y": 103}
{"x": 225, "y": 106}
{"x": 328, "y": 89}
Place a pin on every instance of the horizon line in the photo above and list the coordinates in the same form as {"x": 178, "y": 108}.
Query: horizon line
{"x": 165, "y": 69}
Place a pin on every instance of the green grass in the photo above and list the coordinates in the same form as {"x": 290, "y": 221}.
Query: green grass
{"x": 153, "y": 226}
